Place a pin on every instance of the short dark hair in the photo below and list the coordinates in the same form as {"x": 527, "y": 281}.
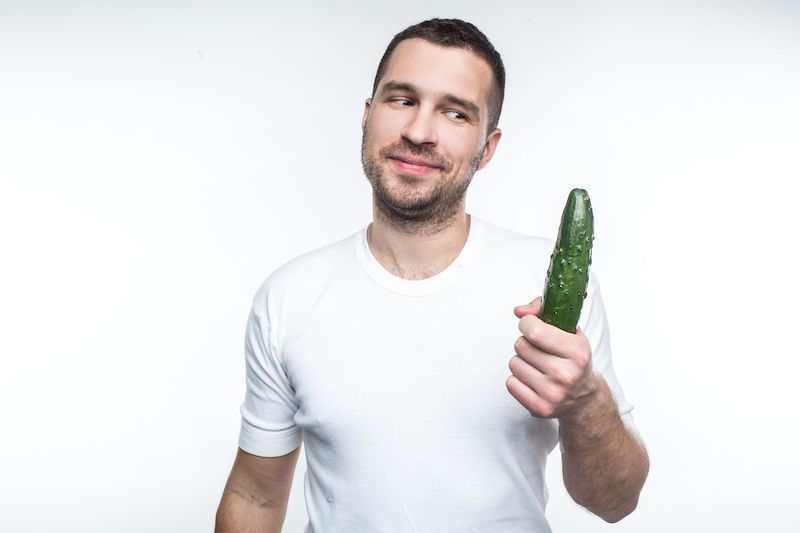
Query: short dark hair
{"x": 455, "y": 33}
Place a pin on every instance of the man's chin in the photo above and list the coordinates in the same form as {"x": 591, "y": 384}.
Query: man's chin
{"x": 409, "y": 208}
{"x": 414, "y": 191}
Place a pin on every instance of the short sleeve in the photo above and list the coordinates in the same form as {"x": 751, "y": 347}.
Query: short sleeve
{"x": 594, "y": 324}
{"x": 268, "y": 428}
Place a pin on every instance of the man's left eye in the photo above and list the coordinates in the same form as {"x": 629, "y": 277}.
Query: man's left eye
{"x": 456, "y": 115}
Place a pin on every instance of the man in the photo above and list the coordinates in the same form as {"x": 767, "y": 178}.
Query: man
{"x": 387, "y": 353}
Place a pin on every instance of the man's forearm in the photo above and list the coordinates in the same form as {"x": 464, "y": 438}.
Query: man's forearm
{"x": 604, "y": 463}
{"x": 239, "y": 512}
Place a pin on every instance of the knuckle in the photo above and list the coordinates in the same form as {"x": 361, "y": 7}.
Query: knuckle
{"x": 551, "y": 392}
{"x": 584, "y": 352}
{"x": 557, "y": 397}
{"x": 520, "y": 344}
{"x": 527, "y": 326}
{"x": 564, "y": 375}
{"x": 583, "y": 358}
{"x": 547, "y": 411}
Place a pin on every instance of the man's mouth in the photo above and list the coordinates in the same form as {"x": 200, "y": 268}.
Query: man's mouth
{"x": 412, "y": 165}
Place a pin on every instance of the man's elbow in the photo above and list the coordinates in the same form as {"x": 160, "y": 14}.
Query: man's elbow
{"x": 628, "y": 503}
{"x": 615, "y": 515}
{"x": 609, "y": 512}
{"x": 614, "y": 505}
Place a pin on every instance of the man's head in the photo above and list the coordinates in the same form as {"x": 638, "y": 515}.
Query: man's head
{"x": 429, "y": 125}
{"x": 455, "y": 33}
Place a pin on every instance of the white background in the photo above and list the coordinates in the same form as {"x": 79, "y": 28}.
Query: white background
{"x": 159, "y": 159}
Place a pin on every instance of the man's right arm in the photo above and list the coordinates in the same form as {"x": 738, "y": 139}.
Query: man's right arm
{"x": 256, "y": 494}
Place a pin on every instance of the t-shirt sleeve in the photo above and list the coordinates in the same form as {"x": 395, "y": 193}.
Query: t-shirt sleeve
{"x": 268, "y": 428}
{"x": 594, "y": 324}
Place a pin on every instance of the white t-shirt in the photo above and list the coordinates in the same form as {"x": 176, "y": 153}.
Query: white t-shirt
{"x": 397, "y": 387}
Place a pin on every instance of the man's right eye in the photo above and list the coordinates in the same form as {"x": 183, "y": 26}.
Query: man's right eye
{"x": 402, "y": 101}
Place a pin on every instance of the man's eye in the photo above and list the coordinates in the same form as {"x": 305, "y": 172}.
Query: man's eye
{"x": 402, "y": 101}
{"x": 456, "y": 115}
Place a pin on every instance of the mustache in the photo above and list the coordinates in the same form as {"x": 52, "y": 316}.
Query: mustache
{"x": 406, "y": 148}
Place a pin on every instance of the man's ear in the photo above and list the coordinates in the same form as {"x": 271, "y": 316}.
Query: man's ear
{"x": 491, "y": 145}
{"x": 367, "y": 104}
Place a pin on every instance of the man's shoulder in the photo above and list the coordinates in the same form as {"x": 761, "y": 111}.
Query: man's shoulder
{"x": 517, "y": 258}
{"x": 315, "y": 262}
{"x": 513, "y": 240}
{"x": 514, "y": 244}
{"x": 308, "y": 273}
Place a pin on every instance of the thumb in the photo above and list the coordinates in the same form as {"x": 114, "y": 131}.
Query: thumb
{"x": 532, "y": 308}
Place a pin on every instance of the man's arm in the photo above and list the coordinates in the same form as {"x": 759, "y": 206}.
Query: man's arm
{"x": 256, "y": 494}
{"x": 604, "y": 464}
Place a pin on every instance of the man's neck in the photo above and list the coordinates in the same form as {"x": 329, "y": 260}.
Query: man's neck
{"x": 419, "y": 253}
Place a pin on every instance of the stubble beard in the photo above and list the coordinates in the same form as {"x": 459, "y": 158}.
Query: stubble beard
{"x": 405, "y": 210}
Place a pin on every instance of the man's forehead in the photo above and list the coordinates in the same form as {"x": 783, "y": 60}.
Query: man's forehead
{"x": 429, "y": 66}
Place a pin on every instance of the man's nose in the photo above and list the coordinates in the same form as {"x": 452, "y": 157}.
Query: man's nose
{"x": 421, "y": 129}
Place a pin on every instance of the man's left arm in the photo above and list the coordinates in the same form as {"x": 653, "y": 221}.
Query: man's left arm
{"x": 604, "y": 462}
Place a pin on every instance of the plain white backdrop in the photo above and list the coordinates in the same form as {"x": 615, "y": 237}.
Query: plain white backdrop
{"x": 159, "y": 159}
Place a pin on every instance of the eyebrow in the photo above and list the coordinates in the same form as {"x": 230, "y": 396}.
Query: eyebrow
{"x": 468, "y": 105}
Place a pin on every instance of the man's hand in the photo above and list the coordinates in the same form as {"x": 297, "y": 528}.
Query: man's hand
{"x": 604, "y": 464}
{"x": 552, "y": 369}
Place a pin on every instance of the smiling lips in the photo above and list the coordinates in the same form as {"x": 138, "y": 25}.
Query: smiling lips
{"x": 413, "y": 166}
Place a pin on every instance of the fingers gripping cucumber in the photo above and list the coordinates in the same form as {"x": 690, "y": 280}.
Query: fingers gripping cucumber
{"x": 568, "y": 274}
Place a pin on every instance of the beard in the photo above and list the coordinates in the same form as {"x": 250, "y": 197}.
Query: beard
{"x": 406, "y": 206}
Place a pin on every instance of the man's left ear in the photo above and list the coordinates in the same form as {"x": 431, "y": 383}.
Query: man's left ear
{"x": 489, "y": 147}
{"x": 367, "y": 105}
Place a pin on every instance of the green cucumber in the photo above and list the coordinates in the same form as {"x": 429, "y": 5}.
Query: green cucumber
{"x": 568, "y": 274}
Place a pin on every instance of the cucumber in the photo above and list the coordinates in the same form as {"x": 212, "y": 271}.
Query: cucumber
{"x": 568, "y": 274}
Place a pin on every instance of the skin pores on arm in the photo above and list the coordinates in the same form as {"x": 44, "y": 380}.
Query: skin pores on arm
{"x": 604, "y": 464}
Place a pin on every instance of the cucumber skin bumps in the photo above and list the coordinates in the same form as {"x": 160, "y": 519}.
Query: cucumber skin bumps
{"x": 568, "y": 273}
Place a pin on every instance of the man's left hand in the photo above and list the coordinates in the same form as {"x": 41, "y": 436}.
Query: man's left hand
{"x": 552, "y": 369}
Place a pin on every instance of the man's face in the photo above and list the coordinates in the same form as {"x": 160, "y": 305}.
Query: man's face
{"x": 425, "y": 130}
